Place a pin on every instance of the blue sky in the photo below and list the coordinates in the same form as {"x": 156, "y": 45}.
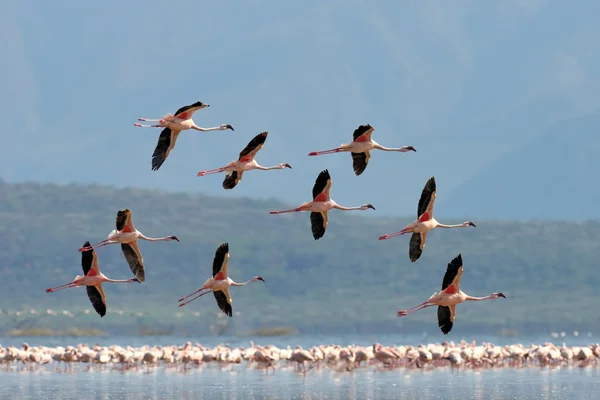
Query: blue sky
{"x": 465, "y": 82}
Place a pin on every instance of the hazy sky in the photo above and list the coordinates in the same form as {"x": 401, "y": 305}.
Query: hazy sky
{"x": 465, "y": 82}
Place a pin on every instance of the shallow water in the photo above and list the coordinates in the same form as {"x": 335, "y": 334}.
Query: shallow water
{"x": 241, "y": 382}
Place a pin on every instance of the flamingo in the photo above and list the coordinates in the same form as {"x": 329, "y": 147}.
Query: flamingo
{"x": 174, "y": 124}
{"x": 360, "y": 148}
{"x": 127, "y": 235}
{"x": 92, "y": 279}
{"x": 320, "y": 205}
{"x": 245, "y": 162}
{"x": 424, "y": 223}
{"x": 449, "y": 297}
{"x": 219, "y": 283}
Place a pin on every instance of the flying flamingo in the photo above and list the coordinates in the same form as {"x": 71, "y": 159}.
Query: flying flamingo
{"x": 174, "y": 124}
{"x": 127, "y": 235}
{"x": 320, "y": 205}
{"x": 361, "y": 147}
{"x": 219, "y": 283}
{"x": 449, "y": 297}
{"x": 92, "y": 279}
{"x": 245, "y": 162}
{"x": 424, "y": 223}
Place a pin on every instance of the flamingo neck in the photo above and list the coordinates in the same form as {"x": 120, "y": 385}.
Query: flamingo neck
{"x": 450, "y": 226}
{"x": 471, "y": 298}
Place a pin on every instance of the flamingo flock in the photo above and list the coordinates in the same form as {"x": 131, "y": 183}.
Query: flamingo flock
{"x": 319, "y": 207}
{"x": 331, "y": 356}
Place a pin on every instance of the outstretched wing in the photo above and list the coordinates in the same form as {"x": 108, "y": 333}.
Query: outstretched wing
{"x": 96, "y": 296}
{"x": 253, "y": 147}
{"x": 318, "y": 223}
{"x": 166, "y": 143}
{"x": 451, "y": 282}
{"x": 415, "y": 246}
{"x": 232, "y": 180}
{"x": 427, "y": 199}
{"x": 321, "y": 187}
{"x": 363, "y": 133}
{"x": 134, "y": 259}
{"x": 446, "y": 318}
{"x": 124, "y": 222}
{"x": 89, "y": 260}
{"x": 221, "y": 296}
{"x": 220, "y": 261}
{"x": 186, "y": 112}
{"x": 360, "y": 162}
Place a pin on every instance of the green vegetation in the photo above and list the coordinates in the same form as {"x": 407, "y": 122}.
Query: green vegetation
{"x": 75, "y": 332}
{"x": 346, "y": 282}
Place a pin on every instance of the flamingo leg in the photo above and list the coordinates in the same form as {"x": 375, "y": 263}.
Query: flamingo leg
{"x": 332, "y": 151}
{"x": 61, "y": 287}
{"x": 194, "y": 298}
{"x": 149, "y": 120}
{"x": 403, "y": 313}
{"x": 286, "y": 211}
{"x": 148, "y": 126}
{"x": 190, "y": 295}
{"x": 211, "y": 171}
{"x": 103, "y": 243}
{"x": 391, "y": 235}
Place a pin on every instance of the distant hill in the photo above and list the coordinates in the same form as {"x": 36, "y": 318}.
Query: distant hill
{"x": 347, "y": 281}
{"x": 552, "y": 177}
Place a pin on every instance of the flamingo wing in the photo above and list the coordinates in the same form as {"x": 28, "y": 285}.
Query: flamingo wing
{"x": 186, "y": 112}
{"x": 415, "y": 246}
{"x": 220, "y": 262}
{"x": 363, "y": 133}
{"x": 232, "y": 180}
{"x": 321, "y": 187}
{"x": 166, "y": 143}
{"x": 124, "y": 222}
{"x": 253, "y": 147}
{"x": 134, "y": 259}
{"x": 89, "y": 261}
{"x": 360, "y": 162}
{"x": 451, "y": 282}
{"x": 427, "y": 199}
{"x": 318, "y": 223}
{"x": 446, "y": 316}
{"x": 97, "y": 298}
{"x": 223, "y": 301}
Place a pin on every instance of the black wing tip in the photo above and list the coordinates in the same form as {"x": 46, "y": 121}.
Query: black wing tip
{"x": 230, "y": 181}
{"x": 325, "y": 173}
{"x": 224, "y": 246}
{"x": 457, "y": 261}
{"x": 431, "y": 181}
{"x": 87, "y": 244}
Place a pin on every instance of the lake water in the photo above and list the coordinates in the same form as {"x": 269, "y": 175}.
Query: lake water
{"x": 214, "y": 381}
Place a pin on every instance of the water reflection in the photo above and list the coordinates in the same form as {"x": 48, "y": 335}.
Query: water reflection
{"x": 245, "y": 383}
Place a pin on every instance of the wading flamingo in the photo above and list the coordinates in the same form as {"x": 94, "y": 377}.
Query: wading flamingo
{"x": 127, "y": 235}
{"x": 320, "y": 205}
{"x": 449, "y": 297}
{"x": 245, "y": 162}
{"x": 424, "y": 223}
{"x": 360, "y": 148}
{"x": 174, "y": 124}
{"x": 219, "y": 283}
{"x": 92, "y": 279}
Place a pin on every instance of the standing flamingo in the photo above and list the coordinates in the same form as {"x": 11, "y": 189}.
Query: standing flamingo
{"x": 127, "y": 235}
{"x": 92, "y": 279}
{"x": 219, "y": 283}
{"x": 245, "y": 162}
{"x": 449, "y": 297}
{"x": 360, "y": 148}
{"x": 320, "y": 205}
{"x": 174, "y": 124}
{"x": 424, "y": 223}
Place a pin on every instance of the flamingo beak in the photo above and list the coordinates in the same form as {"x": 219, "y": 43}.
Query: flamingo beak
{"x": 229, "y": 127}
{"x": 370, "y": 206}
{"x": 472, "y": 224}
{"x": 260, "y": 278}
{"x": 174, "y": 238}
{"x": 412, "y": 149}
{"x": 136, "y": 280}
{"x": 501, "y": 295}
{"x": 288, "y": 166}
